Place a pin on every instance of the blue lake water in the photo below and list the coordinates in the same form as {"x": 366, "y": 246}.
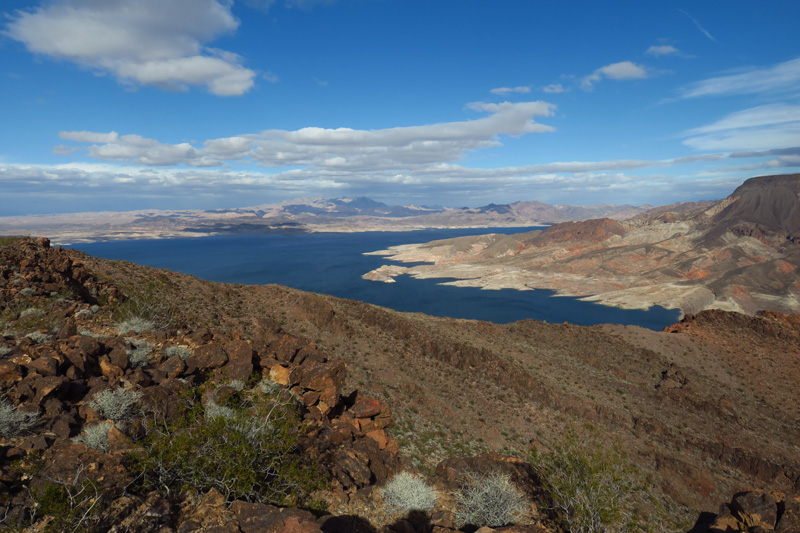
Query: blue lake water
{"x": 333, "y": 263}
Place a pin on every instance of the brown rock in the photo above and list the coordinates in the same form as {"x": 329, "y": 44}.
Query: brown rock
{"x": 210, "y": 356}
{"x": 174, "y": 367}
{"x": 119, "y": 357}
{"x": 759, "y": 506}
{"x": 281, "y": 375}
{"x": 366, "y": 407}
{"x": 263, "y": 518}
{"x": 325, "y": 378}
{"x": 49, "y": 385}
{"x": 88, "y": 346}
{"x": 118, "y": 442}
{"x": 68, "y": 329}
{"x": 44, "y": 366}
{"x": 201, "y": 336}
{"x": 790, "y": 519}
{"x": 380, "y": 437}
{"x": 286, "y": 348}
{"x": 109, "y": 369}
{"x": 10, "y": 373}
{"x": 240, "y": 361}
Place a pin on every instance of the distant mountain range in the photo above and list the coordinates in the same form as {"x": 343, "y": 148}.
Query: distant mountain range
{"x": 305, "y": 215}
{"x": 741, "y": 253}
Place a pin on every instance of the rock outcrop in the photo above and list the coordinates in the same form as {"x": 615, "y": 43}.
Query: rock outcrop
{"x": 58, "y": 377}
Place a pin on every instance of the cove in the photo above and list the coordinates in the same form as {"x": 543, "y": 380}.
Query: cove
{"x": 333, "y": 263}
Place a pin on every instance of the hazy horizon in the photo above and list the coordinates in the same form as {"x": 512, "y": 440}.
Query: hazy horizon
{"x": 214, "y": 104}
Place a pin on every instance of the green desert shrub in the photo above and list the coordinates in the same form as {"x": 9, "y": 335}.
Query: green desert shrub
{"x": 27, "y": 292}
{"x": 84, "y": 313}
{"x": 407, "y": 492}
{"x": 95, "y": 436}
{"x": 14, "y": 422}
{"x": 5, "y": 350}
{"x": 246, "y": 447}
{"x": 489, "y": 499}
{"x": 69, "y": 506}
{"x": 38, "y": 337}
{"x": 115, "y": 404}
{"x": 135, "y": 325}
{"x": 31, "y": 311}
{"x": 592, "y": 484}
{"x": 181, "y": 351}
{"x": 139, "y": 353}
{"x": 269, "y": 387}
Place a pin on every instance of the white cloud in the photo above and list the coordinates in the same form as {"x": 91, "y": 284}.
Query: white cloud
{"x": 624, "y": 70}
{"x": 506, "y": 90}
{"x": 764, "y": 127}
{"x": 147, "y": 42}
{"x": 661, "y": 50}
{"x": 777, "y": 78}
{"x": 320, "y": 148}
{"x": 554, "y": 88}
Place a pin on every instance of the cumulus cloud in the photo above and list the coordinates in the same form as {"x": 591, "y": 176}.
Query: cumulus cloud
{"x": 774, "y": 79}
{"x": 624, "y": 70}
{"x": 661, "y": 50}
{"x": 506, "y": 90}
{"x": 340, "y": 148}
{"x": 147, "y": 42}
{"x": 554, "y": 88}
{"x": 759, "y": 128}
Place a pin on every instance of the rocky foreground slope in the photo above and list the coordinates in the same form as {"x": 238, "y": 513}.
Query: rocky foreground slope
{"x": 352, "y": 394}
{"x": 739, "y": 254}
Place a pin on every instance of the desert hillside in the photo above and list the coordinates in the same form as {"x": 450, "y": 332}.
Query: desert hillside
{"x": 738, "y": 254}
{"x": 357, "y": 393}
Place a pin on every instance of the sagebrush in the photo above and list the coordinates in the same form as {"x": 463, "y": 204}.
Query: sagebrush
{"x": 489, "y": 499}
{"x": 14, "y": 422}
{"x": 115, "y": 404}
{"x": 408, "y": 492}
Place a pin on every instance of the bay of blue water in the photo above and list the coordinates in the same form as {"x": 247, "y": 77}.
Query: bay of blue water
{"x": 333, "y": 263}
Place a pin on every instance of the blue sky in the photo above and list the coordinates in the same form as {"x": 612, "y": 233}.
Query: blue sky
{"x": 178, "y": 104}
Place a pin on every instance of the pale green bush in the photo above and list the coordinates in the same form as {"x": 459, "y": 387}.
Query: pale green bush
{"x": 269, "y": 387}
{"x": 38, "y": 337}
{"x": 135, "y": 325}
{"x": 95, "y": 436}
{"x": 408, "y": 492}
{"x": 115, "y": 404}
{"x": 181, "y": 351}
{"x": 13, "y": 422}
{"x": 139, "y": 354}
{"x": 489, "y": 499}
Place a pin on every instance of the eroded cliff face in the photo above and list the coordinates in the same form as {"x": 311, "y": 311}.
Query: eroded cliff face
{"x": 740, "y": 254}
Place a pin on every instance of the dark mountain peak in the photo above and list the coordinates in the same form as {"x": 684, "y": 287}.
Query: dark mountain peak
{"x": 766, "y": 204}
